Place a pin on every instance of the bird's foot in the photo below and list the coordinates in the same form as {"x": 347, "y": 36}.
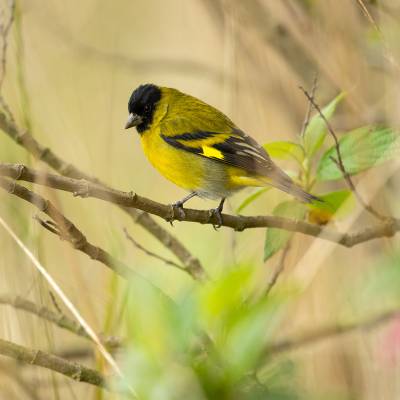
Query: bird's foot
{"x": 177, "y": 212}
{"x": 216, "y": 215}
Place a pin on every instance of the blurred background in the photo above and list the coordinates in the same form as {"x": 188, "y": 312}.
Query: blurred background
{"x": 71, "y": 67}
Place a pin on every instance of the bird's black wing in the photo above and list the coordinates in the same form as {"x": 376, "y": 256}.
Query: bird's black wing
{"x": 234, "y": 148}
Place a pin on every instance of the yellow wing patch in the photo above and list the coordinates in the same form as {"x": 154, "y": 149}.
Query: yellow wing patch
{"x": 211, "y": 152}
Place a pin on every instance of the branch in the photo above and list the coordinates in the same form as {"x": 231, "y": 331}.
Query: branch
{"x": 75, "y": 371}
{"x": 66, "y": 229}
{"x": 328, "y": 332}
{"x": 150, "y": 253}
{"x": 369, "y": 16}
{"x": 46, "y": 155}
{"x": 339, "y": 161}
{"x": 84, "y": 188}
{"x": 60, "y": 320}
{"x": 5, "y": 27}
{"x": 279, "y": 269}
{"x": 309, "y": 108}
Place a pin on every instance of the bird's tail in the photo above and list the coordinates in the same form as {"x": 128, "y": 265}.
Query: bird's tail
{"x": 283, "y": 182}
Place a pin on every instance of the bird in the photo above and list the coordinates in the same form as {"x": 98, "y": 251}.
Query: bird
{"x": 200, "y": 149}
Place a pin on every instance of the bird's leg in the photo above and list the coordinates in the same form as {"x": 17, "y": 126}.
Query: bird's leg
{"x": 177, "y": 207}
{"x": 216, "y": 212}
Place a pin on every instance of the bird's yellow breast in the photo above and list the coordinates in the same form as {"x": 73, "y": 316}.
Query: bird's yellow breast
{"x": 182, "y": 168}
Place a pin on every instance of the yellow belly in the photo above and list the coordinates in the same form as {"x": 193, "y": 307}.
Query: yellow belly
{"x": 180, "y": 167}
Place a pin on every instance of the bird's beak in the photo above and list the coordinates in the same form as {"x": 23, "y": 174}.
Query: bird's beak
{"x": 133, "y": 120}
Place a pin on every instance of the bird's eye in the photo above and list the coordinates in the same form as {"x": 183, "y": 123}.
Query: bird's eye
{"x": 146, "y": 108}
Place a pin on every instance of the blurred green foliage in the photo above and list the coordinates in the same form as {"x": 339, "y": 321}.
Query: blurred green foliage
{"x": 379, "y": 287}
{"x": 209, "y": 344}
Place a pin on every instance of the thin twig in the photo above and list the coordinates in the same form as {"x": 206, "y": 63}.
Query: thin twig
{"x": 55, "y": 303}
{"x": 150, "y": 253}
{"x": 339, "y": 161}
{"x": 369, "y": 16}
{"x": 329, "y": 332}
{"x": 46, "y": 225}
{"x": 386, "y": 49}
{"x": 73, "y": 370}
{"x": 279, "y": 269}
{"x": 26, "y": 140}
{"x": 387, "y": 228}
{"x": 59, "y": 319}
{"x": 5, "y": 28}
{"x": 309, "y": 107}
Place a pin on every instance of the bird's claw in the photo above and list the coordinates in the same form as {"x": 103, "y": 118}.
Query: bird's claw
{"x": 216, "y": 214}
{"x": 177, "y": 212}
{"x": 83, "y": 190}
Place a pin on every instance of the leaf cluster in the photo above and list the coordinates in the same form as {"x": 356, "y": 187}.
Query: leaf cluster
{"x": 360, "y": 149}
{"x": 209, "y": 344}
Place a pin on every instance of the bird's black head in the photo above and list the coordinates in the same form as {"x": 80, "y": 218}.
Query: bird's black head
{"x": 142, "y": 105}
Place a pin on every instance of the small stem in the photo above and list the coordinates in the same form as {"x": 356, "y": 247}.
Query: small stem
{"x": 340, "y": 164}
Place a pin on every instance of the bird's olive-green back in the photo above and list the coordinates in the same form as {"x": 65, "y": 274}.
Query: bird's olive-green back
{"x": 187, "y": 113}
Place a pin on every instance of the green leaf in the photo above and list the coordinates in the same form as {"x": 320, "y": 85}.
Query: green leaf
{"x": 285, "y": 150}
{"x": 360, "y": 149}
{"x": 276, "y": 239}
{"x": 248, "y": 200}
{"x": 316, "y": 130}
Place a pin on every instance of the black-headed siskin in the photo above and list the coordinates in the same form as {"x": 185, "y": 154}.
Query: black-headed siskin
{"x": 199, "y": 148}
